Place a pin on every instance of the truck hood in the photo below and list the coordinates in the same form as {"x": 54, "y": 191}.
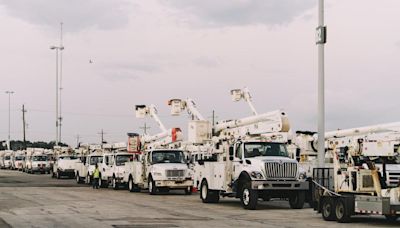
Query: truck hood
{"x": 168, "y": 166}
{"x": 67, "y": 164}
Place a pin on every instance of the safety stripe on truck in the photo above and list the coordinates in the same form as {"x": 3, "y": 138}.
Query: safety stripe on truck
{"x": 368, "y": 212}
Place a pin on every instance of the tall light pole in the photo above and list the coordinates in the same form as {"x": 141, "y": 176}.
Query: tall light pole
{"x": 9, "y": 93}
{"x": 57, "y": 48}
{"x": 61, "y": 65}
{"x": 321, "y": 40}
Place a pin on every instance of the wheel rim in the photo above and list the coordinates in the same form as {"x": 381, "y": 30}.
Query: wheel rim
{"x": 77, "y": 178}
{"x": 87, "y": 179}
{"x": 204, "y": 191}
{"x": 327, "y": 209}
{"x": 130, "y": 184}
{"x": 246, "y": 196}
{"x": 114, "y": 183}
{"x": 150, "y": 186}
{"x": 339, "y": 210}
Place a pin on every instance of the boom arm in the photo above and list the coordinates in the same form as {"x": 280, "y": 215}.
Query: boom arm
{"x": 238, "y": 94}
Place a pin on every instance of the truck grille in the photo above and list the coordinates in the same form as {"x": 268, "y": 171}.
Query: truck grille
{"x": 175, "y": 173}
{"x": 393, "y": 178}
{"x": 285, "y": 170}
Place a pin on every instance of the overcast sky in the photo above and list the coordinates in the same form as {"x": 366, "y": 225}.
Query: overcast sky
{"x": 149, "y": 51}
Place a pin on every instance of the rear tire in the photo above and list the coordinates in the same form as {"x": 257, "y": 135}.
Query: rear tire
{"x": 207, "y": 195}
{"x": 296, "y": 200}
{"x": 342, "y": 213}
{"x": 88, "y": 179}
{"x": 328, "y": 209}
{"x": 249, "y": 197}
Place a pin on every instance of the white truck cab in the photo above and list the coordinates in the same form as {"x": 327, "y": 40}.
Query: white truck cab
{"x": 65, "y": 166}
{"x": 160, "y": 170}
{"x": 86, "y": 166}
{"x": 250, "y": 170}
{"x": 8, "y": 159}
{"x": 18, "y": 160}
{"x": 37, "y": 161}
{"x": 112, "y": 168}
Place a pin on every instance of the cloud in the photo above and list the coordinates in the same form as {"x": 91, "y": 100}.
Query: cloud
{"x": 242, "y": 12}
{"x": 76, "y": 14}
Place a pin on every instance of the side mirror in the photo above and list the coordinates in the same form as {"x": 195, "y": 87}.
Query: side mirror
{"x": 231, "y": 152}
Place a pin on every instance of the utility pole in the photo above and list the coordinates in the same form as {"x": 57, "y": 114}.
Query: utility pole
{"x": 102, "y": 133}
{"x": 144, "y": 128}
{"x": 9, "y": 93}
{"x": 77, "y": 140}
{"x": 60, "y": 89}
{"x": 321, "y": 40}
{"x": 24, "y": 124}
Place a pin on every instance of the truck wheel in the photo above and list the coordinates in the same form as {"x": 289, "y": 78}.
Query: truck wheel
{"x": 188, "y": 191}
{"x": 87, "y": 180}
{"x": 152, "y": 187}
{"x": 249, "y": 197}
{"x": 392, "y": 218}
{"x": 114, "y": 183}
{"x": 207, "y": 195}
{"x": 342, "y": 213}
{"x": 78, "y": 179}
{"x": 296, "y": 200}
{"x": 130, "y": 184}
{"x": 58, "y": 175}
{"x": 328, "y": 211}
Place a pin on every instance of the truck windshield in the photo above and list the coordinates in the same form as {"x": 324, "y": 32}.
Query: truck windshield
{"x": 7, "y": 158}
{"x": 95, "y": 160}
{"x": 168, "y": 156}
{"x": 388, "y": 160}
{"x": 19, "y": 158}
{"x": 39, "y": 158}
{"x": 257, "y": 149}
{"x": 122, "y": 159}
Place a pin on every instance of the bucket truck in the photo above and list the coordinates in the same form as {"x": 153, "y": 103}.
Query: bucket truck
{"x": 90, "y": 156}
{"x": 353, "y": 186}
{"x": 18, "y": 160}
{"x": 7, "y": 159}
{"x": 159, "y": 166}
{"x": 246, "y": 158}
{"x": 36, "y": 161}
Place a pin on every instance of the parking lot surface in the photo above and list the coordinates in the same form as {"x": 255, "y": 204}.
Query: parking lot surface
{"x": 28, "y": 200}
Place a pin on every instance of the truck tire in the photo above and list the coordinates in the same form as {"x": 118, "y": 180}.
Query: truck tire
{"x": 78, "y": 178}
{"x": 132, "y": 186}
{"x": 328, "y": 209}
{"x": 115, "y": 184}
{"x": 188, "y": 191}
{"x": 207, "y": 195}
{"x": 342, "y": 213}
{"x": 152, "y": 186}
{"x": 88, "y": 180}
{"x": 249, "y": 197}
{"x": 296, "y": 200}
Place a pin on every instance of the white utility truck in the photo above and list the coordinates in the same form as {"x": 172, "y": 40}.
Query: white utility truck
{"x": 354, "y": 186}
{"x": 112, "y": 167}
{"x": 158, "y": 164}
{"x": 18, "y": 161}
{"x": 64, "y": 166}
{"x": 2, "y": 152}
{"x": 36, "y": 161}
{"x": 8, "y": 159}
{"x": 245, "y": 158}
{"x": 85, "y": 167}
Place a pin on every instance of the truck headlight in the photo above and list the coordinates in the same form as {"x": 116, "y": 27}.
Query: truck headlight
{"x": 256, "y": 175}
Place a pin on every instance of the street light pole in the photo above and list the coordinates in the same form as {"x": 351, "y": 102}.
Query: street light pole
{"x": 9, "y": 118}
{"x": 321, "y": 40}
{"x": 57, "y": 48}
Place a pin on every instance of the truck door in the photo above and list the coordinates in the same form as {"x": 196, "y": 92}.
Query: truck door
{"x": 238, "y": 160}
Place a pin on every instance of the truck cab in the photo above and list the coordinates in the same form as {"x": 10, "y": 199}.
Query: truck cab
{"x": 8, "y": 160}
{"x": 37, "y": 162}
{"x": 250, "y": 170}
{"x": 65, "y": 166}
{"x": 160, "y": 170}
{"x": 112, "y": 168}
{"x": 86, "y": 166}
{"x": 19, "y": 160}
